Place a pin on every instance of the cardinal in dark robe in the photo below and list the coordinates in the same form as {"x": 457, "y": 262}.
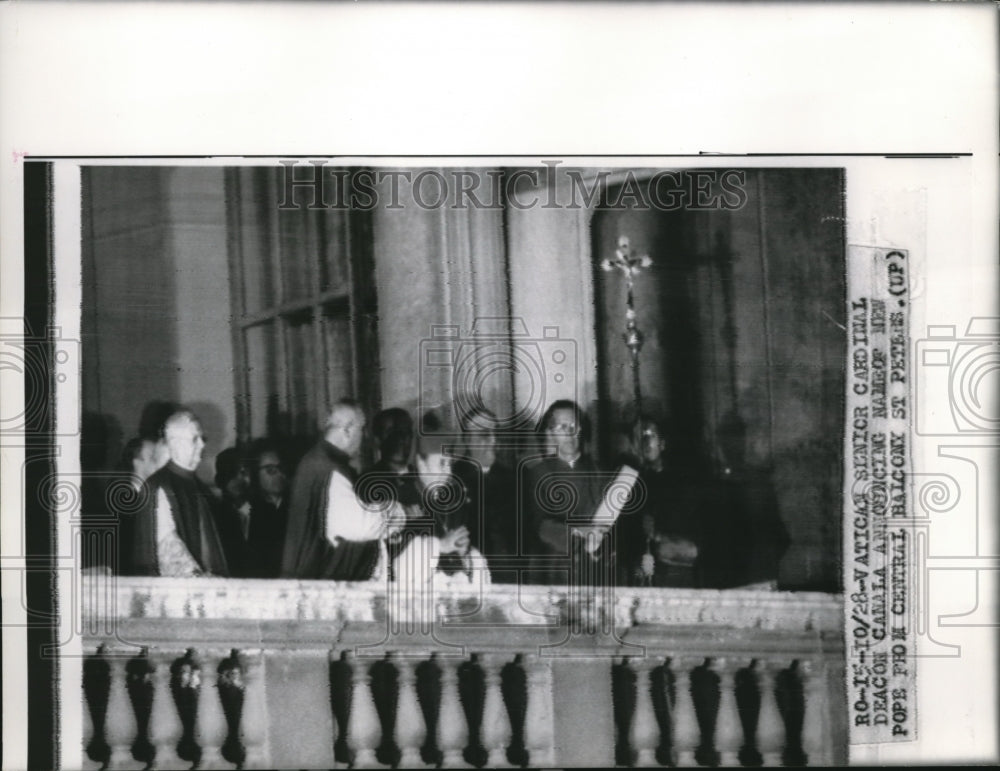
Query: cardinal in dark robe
{"x": 314, "y": 515}
{"x": 175, "y": 533}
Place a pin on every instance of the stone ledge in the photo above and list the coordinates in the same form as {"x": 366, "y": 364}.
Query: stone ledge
{"x": 464, "y": 609}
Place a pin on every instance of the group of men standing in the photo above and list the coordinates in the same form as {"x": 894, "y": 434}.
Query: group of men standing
{"x": 183, "y": 528}
{"x": 553, "y": 518}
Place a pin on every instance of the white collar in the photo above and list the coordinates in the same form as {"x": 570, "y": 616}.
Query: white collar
{"x": 572, "y": 463}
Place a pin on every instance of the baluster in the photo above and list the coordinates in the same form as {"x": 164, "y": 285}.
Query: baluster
{"x": 96, "y": 688}
{"x": 644, "y": 733}
{"x": 185, "y": 683}
{"x": 86, "y": 728}
{"x": 410, "y": 730}
{"x": 120, "y": 726}
{"x": 514, "y": 689}
{"x": 139, "y": 682}
{"x": 790, "y": 705}
{"x": 728, "y": 731}
{"x": 165, "y": 726}
{"x": 341, "y": 686}
{"x": 211, "y": 718}
{"x": 87, "y": 732}
{"x": 364, "y": 732}
{"x": 385, "y": 692}
{"x": 254, "y": 723}
{"x": 623, "y": 708}
{"x": 684, "y": 722}
{"x": 548, "y": 719}
{"x": 814, "y": 688}
{"x": 770, "y": 726}
{"x": 659, "y": 681}
{"x": 452, "y": 730}
{"x": 538, "y": 739}
{"x": 232, "y": 694}
{"x": 496, "y": 729}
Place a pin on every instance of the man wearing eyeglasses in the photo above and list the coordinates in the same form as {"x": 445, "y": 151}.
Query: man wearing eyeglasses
{"x": 268, "y": 509}
{"x": 566, "y": 511}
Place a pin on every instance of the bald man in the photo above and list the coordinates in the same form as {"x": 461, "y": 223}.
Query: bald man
{"x": 331, "y": 534}
{"x": 175, "y": 535}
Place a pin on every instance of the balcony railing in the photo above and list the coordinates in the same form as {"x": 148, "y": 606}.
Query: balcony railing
{"x": 310, "y": 674}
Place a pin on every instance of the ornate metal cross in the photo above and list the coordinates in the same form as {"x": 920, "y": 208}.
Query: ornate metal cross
{"x": 630, "y": 265}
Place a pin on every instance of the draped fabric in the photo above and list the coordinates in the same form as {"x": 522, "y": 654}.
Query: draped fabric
{"x": 743, "y": 537}
{"x": 308, "y": 553}
{"x": 192, "y": 506}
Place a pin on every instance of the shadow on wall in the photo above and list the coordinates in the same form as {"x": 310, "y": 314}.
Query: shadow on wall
{"x": 101, "y": 441}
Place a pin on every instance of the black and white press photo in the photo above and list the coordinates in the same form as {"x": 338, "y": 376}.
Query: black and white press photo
{"x": 464, "y": 458}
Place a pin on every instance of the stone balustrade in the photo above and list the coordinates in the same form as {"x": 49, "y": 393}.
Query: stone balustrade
{"x": 310, "y": 674}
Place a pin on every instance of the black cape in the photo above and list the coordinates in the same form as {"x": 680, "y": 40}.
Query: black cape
{"x": 554, "y": 497}
{"x": 266, "y": 540}
{"x": 307, "y": 552}
{"x": 192, "y": 505}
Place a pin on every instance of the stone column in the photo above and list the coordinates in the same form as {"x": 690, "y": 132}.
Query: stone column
{"x": 364, "y": 731}
{"x": 164, "y": 725}
{"x": 496, "y": 728}
{"x": 452, "y": 730}
{"x": 410, "y": 730}
{"x": 96, "y": 691}
{"x": 644, "y": 733}
{"x": 685, "y": 731}
{"x": 728, "y": 731}
{"x": 87, "y": 732}
{"x": 139, "y": 677}
{"x": 813, "y": 675}
{"x": 770, "y": 726}
{"x": 254, "y": 727}
{"x": 538, "y": 734}
{"x": 120, "y": 725}
{"x": 211, "y": 726}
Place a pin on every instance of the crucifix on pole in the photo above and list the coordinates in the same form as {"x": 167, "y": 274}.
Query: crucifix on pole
{"x": 630, "y": 265}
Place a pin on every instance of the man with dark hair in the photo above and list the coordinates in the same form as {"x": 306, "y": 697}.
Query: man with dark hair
{"x": 659, "y": 545}
{"x": 175, "y": 534}
{"x": 331, "y": 533}
{"x": 393, "y": 432}
{"x": 268, "y": 509}
{"x": 232, "y": 478}
{"x": 436, "y": 549}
